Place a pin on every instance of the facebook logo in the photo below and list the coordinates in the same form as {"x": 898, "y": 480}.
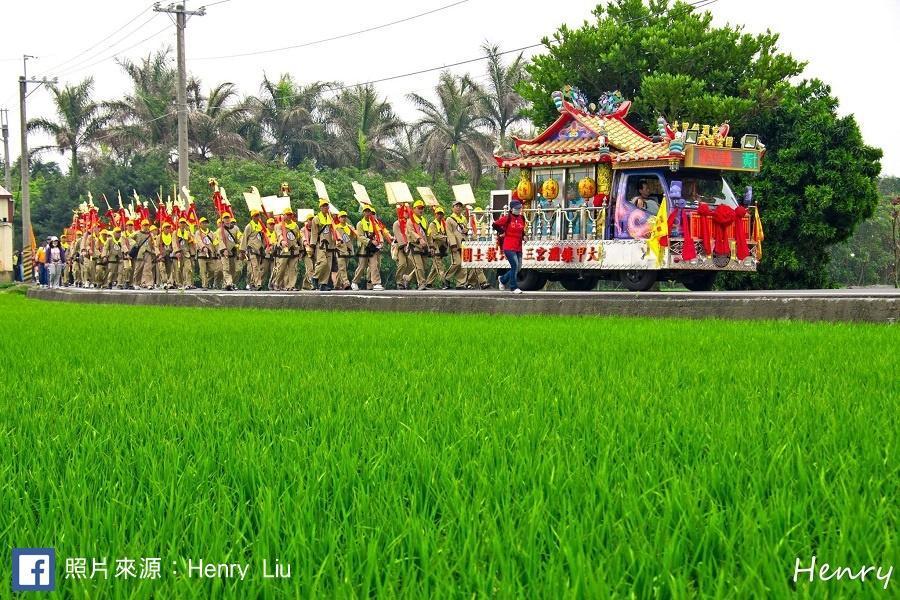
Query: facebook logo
{"x": 33, "y": 569}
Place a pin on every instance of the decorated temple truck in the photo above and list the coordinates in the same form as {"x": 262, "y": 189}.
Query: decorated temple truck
{"x": 604, "y": 201}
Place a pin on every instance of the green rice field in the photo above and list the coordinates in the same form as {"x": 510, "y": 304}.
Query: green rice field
{"x": 433, "y": 456}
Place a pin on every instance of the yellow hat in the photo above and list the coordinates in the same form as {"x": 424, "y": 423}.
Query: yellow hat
{"x": 153, "y": 228}
{"x": 322, "y": 202}
{"x": 117, "y": 230}
{"x": 182, "y": 220}
{"x": 368, "y": 207}
{"x": 219, "y": 221}
{"x": 167, "y": 224}
{"x": 309, "y": 216}
{"x": 144, "y": 222}
{"x": 439, "y": 209}
{"x": 418, "y": 203}
{"x": 289, "y": 211}
{"x": 343, "y": 213}
{"x": 478, "y": 209}
{"x": 204, "y": 220}
{"x": 270, "y": 221}
{"x": 226, "y": 215}
{"x": 254, "y": 212}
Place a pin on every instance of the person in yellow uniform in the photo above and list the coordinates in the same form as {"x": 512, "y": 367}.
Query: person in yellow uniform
{"x": 307, "y": 252}
{"x": 229, "y": 242}
{"x": 417, "y": 234}
{"x": 90, "y": 253}
{"x": 204, "y": 243}
{"x": 325, "y": 245}
{"x": 112, "y": 258}
{"x": 252, "y": 246}
{"x": 166, "y": 258}
{"x": 401, "y": 248}
{"x": 100, "y": 260}
{"x": 183, "y": 263}
{"x": 288, "y": 253}
{"x": 345, "y": 250}
{"x": 127, "y": 266}
{"x": 457, "y": 230}
{"x": 371, "y": 235}
{"x": 437, "y": 239}
{"x": 143, "y": 258}
{"x": 267, "y": 275}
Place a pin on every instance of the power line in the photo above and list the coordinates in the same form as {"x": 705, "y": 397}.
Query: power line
{"x": 333, "y": 38}
{"x": 118, "y": 52}
{"x": 87, "y": 61}
{"x": 86, "y": 50}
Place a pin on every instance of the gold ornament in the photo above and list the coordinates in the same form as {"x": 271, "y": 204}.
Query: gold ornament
{"x": 550, "y": 189}
{"x": 587, "y": 188}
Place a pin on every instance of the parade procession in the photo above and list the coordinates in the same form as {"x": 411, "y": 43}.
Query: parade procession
{"x": 594, "y": 198}
{"x": 164, "y": 244}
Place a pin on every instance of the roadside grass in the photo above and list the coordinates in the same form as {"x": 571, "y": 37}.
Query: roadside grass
{"x": 427, "y": 455}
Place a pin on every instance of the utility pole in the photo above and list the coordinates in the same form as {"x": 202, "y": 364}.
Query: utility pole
{"x": 23, "y": 160}
{"x": 181, "y": 14}
{"x": 4, "y": 130}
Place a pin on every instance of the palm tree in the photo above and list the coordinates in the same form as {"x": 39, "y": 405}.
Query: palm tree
{"x": 79, "y": 124}
{"x": 146, "y": 118}
{"x": 361, "y": 125}
{"x": 214, "y": 121}
{"x": 406, "y": 151}
{"x": 500, "y": 103}
{"x": 451, "y": 133}
{"x": 290, "y": 120}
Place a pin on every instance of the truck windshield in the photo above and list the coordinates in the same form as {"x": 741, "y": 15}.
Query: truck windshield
{"x": 711, "y": 188}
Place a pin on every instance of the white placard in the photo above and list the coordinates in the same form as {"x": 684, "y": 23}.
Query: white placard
{"x": 428, "y": 196}
{"x": 276, "y": 205}
{"x": 321, "y": 190}
{"x": 398, "y": 192}
{"x": 463, "y": 193}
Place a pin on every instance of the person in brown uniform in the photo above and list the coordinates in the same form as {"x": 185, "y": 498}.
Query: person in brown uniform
{"x": 289, "y": 239}
{"x": 127, "y": 267}
{"x": 90, "y": 253}
{"x": 437, "y": 239}
{"x": 204, "y": 242}
{"x": 345, "y": 249}
{"x": 457, "y": 230}
{"x": 252, "y": 246}
{"x": 307, "y": 252}
{"x": 371, "y": 235}
{"x": 417, "y": 234}
{"x": 400, "y": 250}
{"x": 323, "y": 240}
{"x": 141, "y": 241}
{"x": 185, "y": 251}
{"x": 100, "y": 260}
{"x": 229, "y": 242}
{"x": 267, "y": 264}
{"x": 146, "y": 257}
{"x": 112, "y": 258}
{"x": 166, "y": 258}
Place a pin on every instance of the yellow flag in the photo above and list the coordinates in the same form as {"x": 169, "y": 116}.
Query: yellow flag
{"x": 757, "y": 224}
{"x": 659, "y": 230}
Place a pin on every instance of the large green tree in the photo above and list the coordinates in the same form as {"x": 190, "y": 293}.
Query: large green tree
{"x": 818, "y": 179}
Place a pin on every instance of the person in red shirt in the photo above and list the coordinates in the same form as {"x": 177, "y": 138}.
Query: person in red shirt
{"x": 512, "y": 224}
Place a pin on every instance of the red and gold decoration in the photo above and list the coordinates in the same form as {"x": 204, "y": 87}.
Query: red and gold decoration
{"x": 550, "y": 189}
{"x": 587, "y": 188}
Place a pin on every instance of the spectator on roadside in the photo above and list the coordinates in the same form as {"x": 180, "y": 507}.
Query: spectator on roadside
{"x": 512, "y": 225}
{"x": 55, "y": 257}
{"x": 40, "y": 260}
{"x": 17, "y": 265}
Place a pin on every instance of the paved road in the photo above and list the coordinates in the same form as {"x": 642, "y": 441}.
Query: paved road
{"x": 878, "y": 305}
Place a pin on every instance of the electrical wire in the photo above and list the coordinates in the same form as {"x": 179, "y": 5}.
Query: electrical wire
{"x": 335, "y": 37}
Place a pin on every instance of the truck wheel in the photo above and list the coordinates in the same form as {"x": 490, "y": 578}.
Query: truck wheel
{"x": 530, "y": 281}
{"x": 575, "y": 284}
{"x": 700, "y": 282}
{"x": 638, "y": 281}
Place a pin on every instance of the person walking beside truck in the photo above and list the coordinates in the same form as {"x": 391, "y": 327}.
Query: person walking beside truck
{"x": 512, "y": 224}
